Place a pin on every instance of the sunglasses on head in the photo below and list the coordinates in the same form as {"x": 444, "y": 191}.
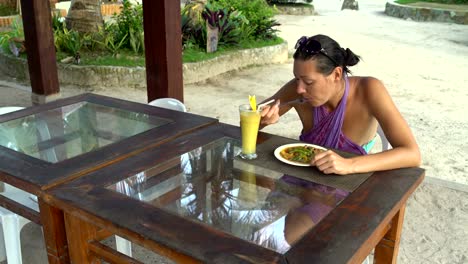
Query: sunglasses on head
{"x": 312, "y": 47}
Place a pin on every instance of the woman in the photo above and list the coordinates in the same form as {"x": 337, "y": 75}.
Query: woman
{"x": 342, "y": 112}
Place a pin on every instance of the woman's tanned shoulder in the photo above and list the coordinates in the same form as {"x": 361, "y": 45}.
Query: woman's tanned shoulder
{"x": 368, "y": 81}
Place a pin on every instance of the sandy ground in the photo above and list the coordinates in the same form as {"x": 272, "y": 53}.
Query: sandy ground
{"x": 423, "y": 65}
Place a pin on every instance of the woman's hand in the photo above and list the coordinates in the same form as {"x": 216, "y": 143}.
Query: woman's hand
{"x": 270, "y": 114}
{"x": 329, "y": 162}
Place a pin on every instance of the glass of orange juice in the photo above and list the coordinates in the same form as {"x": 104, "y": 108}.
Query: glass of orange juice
{"x": 250, "y": 123}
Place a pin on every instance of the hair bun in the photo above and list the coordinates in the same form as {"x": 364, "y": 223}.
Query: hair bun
{"x": 350, "y": 59}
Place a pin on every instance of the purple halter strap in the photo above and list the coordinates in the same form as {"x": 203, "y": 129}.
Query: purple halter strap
{"x": 327, "y": 127}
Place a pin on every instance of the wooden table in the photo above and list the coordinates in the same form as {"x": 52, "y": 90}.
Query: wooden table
{"x": 45, "y": 146}
{"x": 193, "y": 200}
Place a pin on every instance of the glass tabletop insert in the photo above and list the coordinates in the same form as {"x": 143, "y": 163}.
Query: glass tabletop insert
{"x": 62, "y": 133}
{"x": 212, "y": 186}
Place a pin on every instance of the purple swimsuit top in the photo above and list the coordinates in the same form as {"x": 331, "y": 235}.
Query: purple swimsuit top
{"x": 327, "y": 127}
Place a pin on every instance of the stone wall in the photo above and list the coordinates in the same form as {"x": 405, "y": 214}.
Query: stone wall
{"x": 299, "y": 10}
{"x": 135, "y": 77}
{"x": 426, "y": 14}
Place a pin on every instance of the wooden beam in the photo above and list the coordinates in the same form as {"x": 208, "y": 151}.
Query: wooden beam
{"x": 163, "y": 49}
{"x": 109, "y": 254}
{"x": 40, "y": 47}
{"x": 54, "y": 233}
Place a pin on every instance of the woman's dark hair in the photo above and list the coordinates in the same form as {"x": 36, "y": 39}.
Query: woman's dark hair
{"x": 334, "y": 54}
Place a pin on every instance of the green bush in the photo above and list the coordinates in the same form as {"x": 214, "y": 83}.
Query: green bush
{"x": 6, "y": 10}
{"x": 240, "y": 23}
{"x": 258, "y": 13}
{"x": 190, "y": 30}
{"x": 233, "y": 24}
{"x": 7, "y": 37}
{"x": 272, "y": 2}
{"x": 229, "y": 24}
{"x": 128, "y": 27}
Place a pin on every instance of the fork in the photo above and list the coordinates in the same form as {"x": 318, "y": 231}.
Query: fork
{"x": 298, "y": 100}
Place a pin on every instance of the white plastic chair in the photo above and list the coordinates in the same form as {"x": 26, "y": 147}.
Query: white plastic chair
{"x": 8, "y": 109}
{"x": 11, "y": 222}
{"x": 383, "y": 138}
{"x": 169, "y": 103}
{"x": 124, "y": 246}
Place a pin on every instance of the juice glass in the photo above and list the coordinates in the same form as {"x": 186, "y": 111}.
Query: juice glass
{"x": 249, "y": 122}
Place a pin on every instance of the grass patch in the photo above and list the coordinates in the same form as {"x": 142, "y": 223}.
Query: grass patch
{"x": 124, "y": 59}
{"x": 6, "y": 10}
{"x": 457, "y": 2}
{"x": 129, "y": 59}
{"x": 194, "y": 55}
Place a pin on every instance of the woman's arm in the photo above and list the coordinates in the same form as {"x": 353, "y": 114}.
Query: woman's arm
{"x": 271, "y": 113}
{"x": 405, "y": 152}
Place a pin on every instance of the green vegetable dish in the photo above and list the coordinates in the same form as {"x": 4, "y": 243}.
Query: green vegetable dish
{"x": 302, "y": 154}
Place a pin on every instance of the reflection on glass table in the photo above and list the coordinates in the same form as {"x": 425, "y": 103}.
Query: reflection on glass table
{"x": 210, "y": 185}
{"x": 65, "y": 132}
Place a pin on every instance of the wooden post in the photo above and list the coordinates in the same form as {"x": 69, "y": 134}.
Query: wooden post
{"x": 163, "y": 49}
{"x": 40, "y": 47}
{"x": 387, "y": 249}
{"x": 211, "y": 38}
{"x": 54, "y": 233}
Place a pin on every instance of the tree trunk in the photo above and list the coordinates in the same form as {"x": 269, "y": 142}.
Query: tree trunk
{"x": 85, "y": 16}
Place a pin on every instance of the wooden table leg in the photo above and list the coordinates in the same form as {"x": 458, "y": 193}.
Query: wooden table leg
{"x": 54, "y": 233}
{"x": 79, "y": 234}
{"x": 387, "y": 249}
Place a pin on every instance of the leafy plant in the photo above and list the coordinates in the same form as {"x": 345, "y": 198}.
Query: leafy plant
{"x": 266, "y": 29}
{"x": 69, "y": 41}
{"x": 112, "y": 44}
{"x": 58, "y": 22}
{"x": 188, "y": 31}
{"x": 193, "y": 10}
{"x": 234, "y": 28}
{"x": 128, "y": 27}
{"x": 229, "y": 24}
{"x": 271, "y": 2}
{"x": 241, "y": 23}
{"x": 213, "y": 17}
{"x": 137, "y": 41}
{"x": 257, "y": 12}
{"x": 16, "y": 33}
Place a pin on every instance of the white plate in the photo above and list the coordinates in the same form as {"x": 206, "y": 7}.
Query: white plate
{"x": 280, "y": 148}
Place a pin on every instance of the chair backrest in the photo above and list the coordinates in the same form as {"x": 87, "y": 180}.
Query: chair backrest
{"x": 383, "y": 138}
{"x": 8, "y": 109}
{"x": 169, "y": 103}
